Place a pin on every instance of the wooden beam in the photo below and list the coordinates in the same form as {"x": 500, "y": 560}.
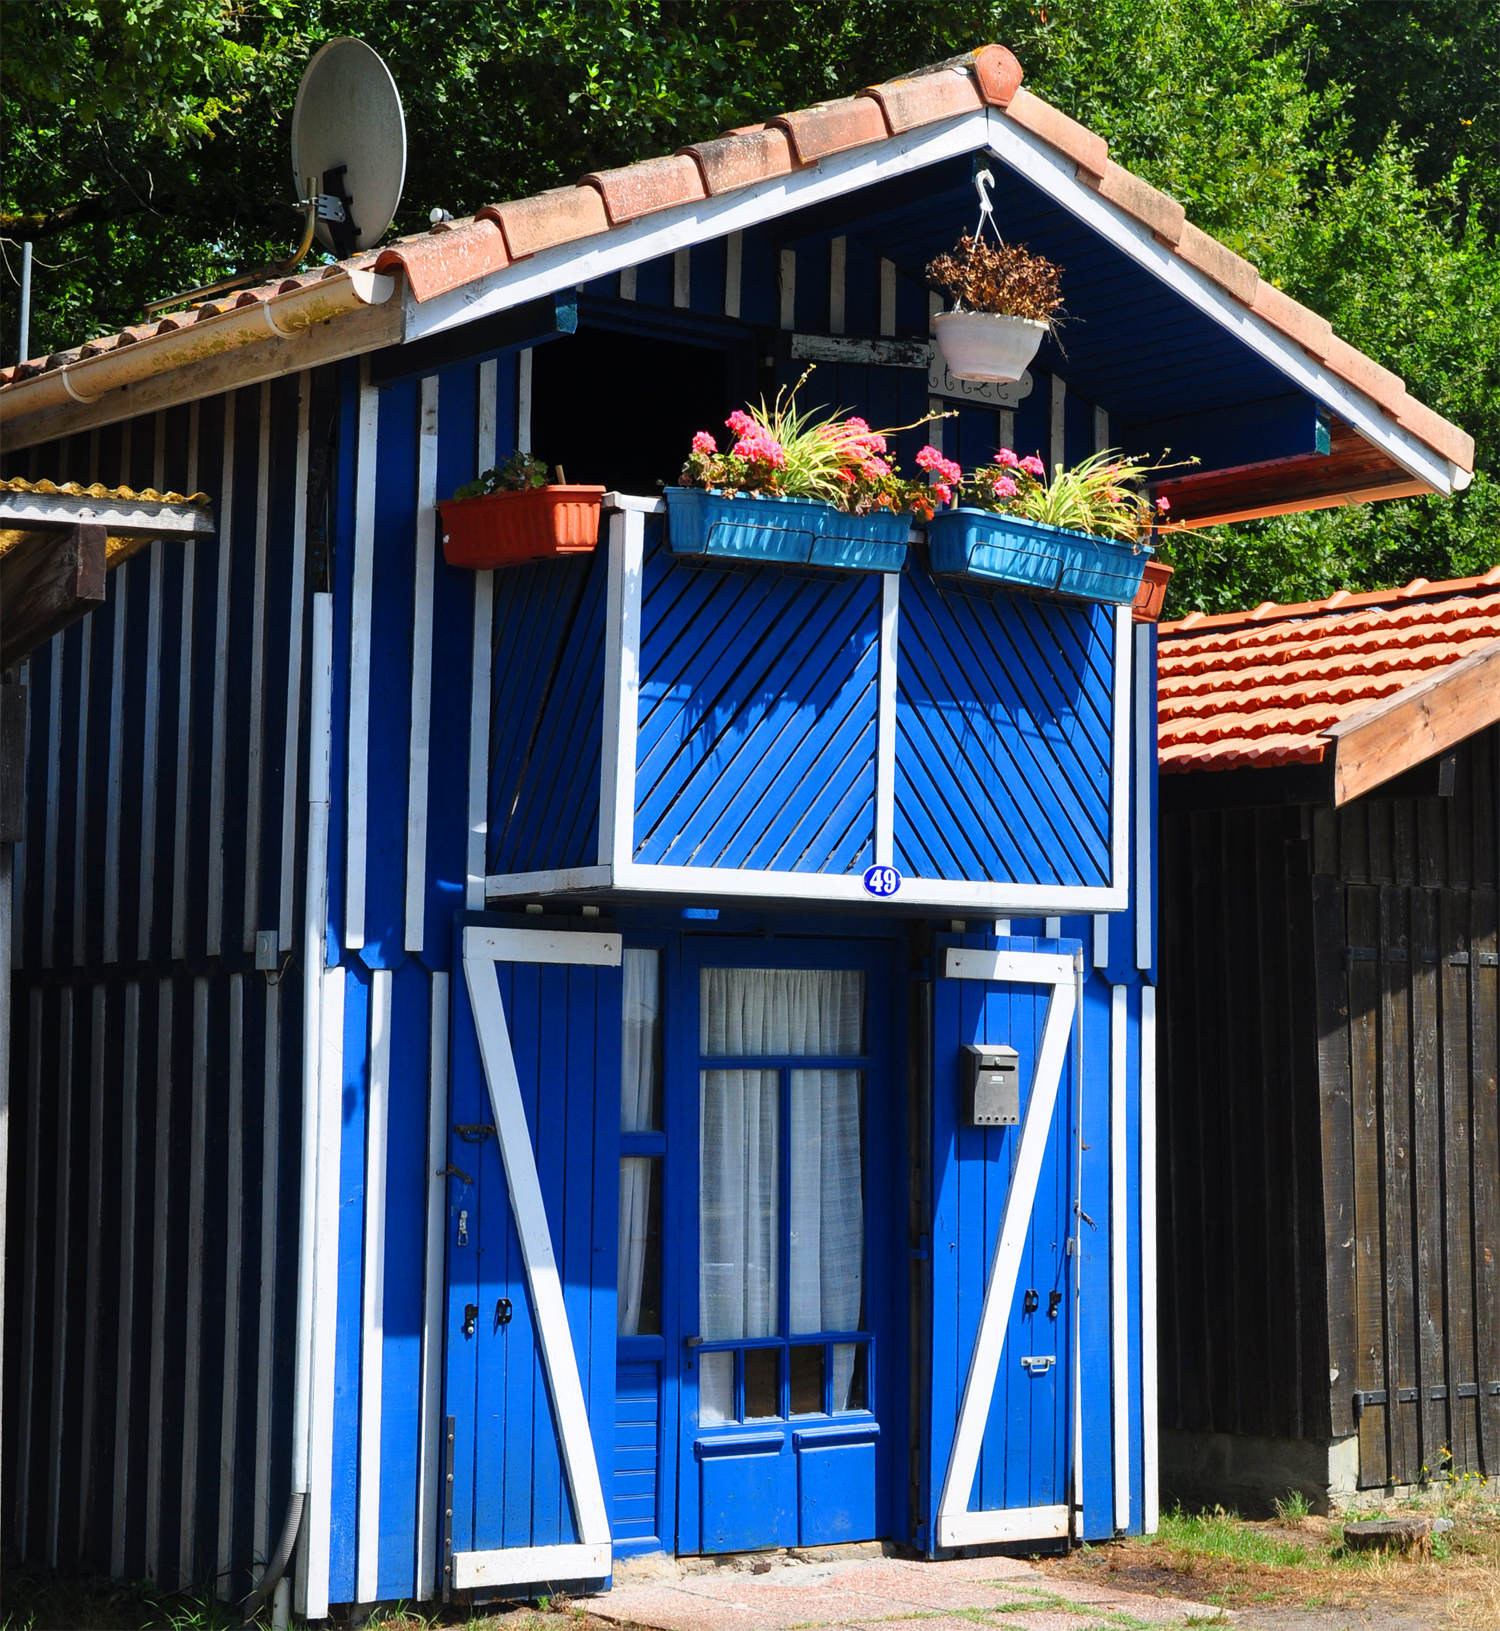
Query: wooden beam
{"x": 46, "y": 586}
{"x": 1425, "y": 719}
{"x": 12, "y": 770}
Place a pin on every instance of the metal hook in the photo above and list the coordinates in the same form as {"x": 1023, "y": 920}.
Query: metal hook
{"x": 983, "y": 181}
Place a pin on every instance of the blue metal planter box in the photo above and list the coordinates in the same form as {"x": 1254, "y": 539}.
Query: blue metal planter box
{"x": 1032, "y": 555}
{"x": 798, "y": 531}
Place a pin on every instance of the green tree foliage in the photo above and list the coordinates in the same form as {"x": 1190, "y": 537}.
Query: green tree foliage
{"x": 1348, "y": 148}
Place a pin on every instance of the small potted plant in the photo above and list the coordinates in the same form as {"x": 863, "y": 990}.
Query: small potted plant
{"x": 1083, "y": 533}
{"x": 513, "y": 514}
{"x": 798, "y": 489}
{"x": 1004, "y": 300}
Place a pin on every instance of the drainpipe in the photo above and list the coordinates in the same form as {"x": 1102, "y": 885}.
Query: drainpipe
{"x": 314, "y": 928}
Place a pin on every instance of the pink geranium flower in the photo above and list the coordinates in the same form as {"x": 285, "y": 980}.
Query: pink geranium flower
{"x": 943, "y": 491}
{"x": 1163, "y": 505}
{"x": 1007, "y": 458}
{"x": 704, "y": 443}
{"x": 1033, "y": 466}
{"x": 1006, "y": 488}
{"x": 740, "y": 422}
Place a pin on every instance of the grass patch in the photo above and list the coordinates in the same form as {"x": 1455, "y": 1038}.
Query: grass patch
{"x": 1221, "y": 1534}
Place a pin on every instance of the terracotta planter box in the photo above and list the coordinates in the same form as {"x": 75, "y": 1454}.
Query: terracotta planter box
{"x": 1146, "y": 607}
{"x": 509, "y": 529}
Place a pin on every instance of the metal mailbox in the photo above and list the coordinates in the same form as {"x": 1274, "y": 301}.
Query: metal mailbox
{"x": 992, "y": 1085}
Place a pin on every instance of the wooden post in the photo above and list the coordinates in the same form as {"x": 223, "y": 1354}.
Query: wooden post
{"x": 46, "y": 583}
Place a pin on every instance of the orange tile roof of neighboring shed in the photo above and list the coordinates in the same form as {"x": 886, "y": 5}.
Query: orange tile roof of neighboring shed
{"x": 72, "y": 489}
{"x": 454, "y": 253}
{"x": 1252, "y": 690}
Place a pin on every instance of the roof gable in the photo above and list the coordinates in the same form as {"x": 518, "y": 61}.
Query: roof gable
{"x": 515, "y": 251}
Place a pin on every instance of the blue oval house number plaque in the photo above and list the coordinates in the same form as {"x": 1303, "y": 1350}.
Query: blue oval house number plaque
{"x": 882, "y": 881}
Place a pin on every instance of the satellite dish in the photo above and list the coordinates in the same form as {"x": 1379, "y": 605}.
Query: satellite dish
{"x": 349, "y": 142}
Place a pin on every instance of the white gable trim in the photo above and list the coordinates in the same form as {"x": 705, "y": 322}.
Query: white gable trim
{"x": 665, "y": 231}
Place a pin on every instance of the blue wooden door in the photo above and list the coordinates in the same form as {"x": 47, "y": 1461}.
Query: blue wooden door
{"x": 783, "y": 1076}
{"x": 533, "y": 1192}
{"x": 1004, "y": 1299}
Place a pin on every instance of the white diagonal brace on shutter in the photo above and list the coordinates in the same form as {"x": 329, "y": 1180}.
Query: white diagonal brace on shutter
{"x": 956, "y": 1525}
{"x": 481, "y": 947}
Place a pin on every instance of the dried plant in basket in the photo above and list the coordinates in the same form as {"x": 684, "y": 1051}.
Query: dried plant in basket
{"x": 1005, "y": 280}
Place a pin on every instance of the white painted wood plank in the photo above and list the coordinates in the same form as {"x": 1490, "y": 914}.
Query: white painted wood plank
{"x": 430, "y": 1406}
{"x": 161, "y": 1207}
{"x": 1052, "y": 927}
{"x": 97, "y": 1017}
{"x": 213, "y": 936}
{"x": 192, "y": 1317}
{"x": 418, "y": 740}
{"x": 61, "y": 1241}
{"x": 554, "y": 1339}
{"x": 480, "y": 669}
{"x": 627, "y": 531}
{"x": 312, "y": 1578}
{"x": 682, "y": 278}
{"x": 125, "y": 1323}
{"x": 234, "y": 1110}
{"x": 1119, "y": 769}
{"x": 286, "y": 937}
{"x": 787, "y": 271}
{"x": 1150, "y": 1499}
{"x": 627, "y": 282}
{"x": 524, "y": 367}
{"x": 256, "y": 745}
{"x": 54, "y": 783}
{"x": 1119, "y": 1257}
{"x": 887, "y": 296}
{"x": 999, "y": 1294}
{"x": 609, "y": 754}
{"x": 1101, "y": 940}
{"x": 1101, "y": 429}
{"x": 734, "y": 262}
{"x": 372, "y": 1308}
{"x": 357, "y": 786}
{"x": 1010, "y": 1523}
{"x": 838, "y": 259}
{"x": 1145, "y": 827}
{"x": 885, "y": 723}
{"x": 531, "y": 1565}
{"x": 1031, "y": 967}
{"x": 542, "y": 946}
{"x": 262, "y": 1516}
{"x": 1057, "y": 451}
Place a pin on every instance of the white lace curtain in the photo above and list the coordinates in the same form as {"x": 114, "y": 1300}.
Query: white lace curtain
{"x": 789, "y": 1013}
{"x": 640, "y": 1101}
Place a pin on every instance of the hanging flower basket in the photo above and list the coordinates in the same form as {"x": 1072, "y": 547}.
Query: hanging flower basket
{"x": 983, "y": 345}
{"x": 510, "y": 528}
{"x": 999, "y": 548}
{"x": 794, "y": 531}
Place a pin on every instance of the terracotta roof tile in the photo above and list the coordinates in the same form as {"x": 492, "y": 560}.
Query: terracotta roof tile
{"x": 557, "y": 216}
{"x": 1255, "y": 688}
{"x": 991, "y": 76}
{"x": 833, "y": 127}
{"x": 923, "y": 99}
{"x": 642, "y": 189}
{"x": 741, "y": 158}
{"x": 443, "y": 260}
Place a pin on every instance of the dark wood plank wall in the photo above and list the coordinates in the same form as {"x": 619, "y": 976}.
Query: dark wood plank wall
{"x": 1330, "y": 1155}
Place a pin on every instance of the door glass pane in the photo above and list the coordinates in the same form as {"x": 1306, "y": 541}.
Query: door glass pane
{"x": 762, "y": 1383}
{"x": 640, "y": 1058}
{"x": 638, "y": 1280}
{"x": 827, "y": 1201}
{"x": 850, "y": 1381}
{"x": 780, "y": 1012}
{"x": 807, "y": 1380}
{"x": 715, "y": 1388}
{"x": 738, "y": 1233}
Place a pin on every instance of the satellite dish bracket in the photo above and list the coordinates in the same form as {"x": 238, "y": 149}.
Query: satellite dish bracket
{"x": 334, "y": 205}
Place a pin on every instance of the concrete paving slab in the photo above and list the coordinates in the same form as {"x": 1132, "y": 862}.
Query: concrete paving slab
{"x": 839, "y": 1593}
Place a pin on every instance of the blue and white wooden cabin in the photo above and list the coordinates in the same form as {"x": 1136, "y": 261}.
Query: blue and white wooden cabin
{"x": 453, "y": 1037}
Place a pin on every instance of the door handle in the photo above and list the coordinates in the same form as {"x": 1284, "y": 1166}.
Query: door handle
{"x": 471, "y": 1314}
{"x": 502, "y": 1312}
{"x": 1038, "y": 1364}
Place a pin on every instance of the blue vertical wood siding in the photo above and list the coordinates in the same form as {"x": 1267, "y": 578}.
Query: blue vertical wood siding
{"x": 1004, "y": 756}
{"x": 757, "y": 717}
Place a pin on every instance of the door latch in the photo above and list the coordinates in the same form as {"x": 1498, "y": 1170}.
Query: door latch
{"x": 471, "y": 1315}
{"x": 1054, "y": 1302}
{"x": 463, "y": 1228}
{"x": 1037, "y": 1364}
{"x": 1030, "y": 1303}
{"x": 502, "y": 1312}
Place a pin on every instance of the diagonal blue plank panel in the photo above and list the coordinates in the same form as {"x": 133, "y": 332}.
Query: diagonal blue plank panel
{"x": 758, "y": 702}
{"x": 1003, "y": 743}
